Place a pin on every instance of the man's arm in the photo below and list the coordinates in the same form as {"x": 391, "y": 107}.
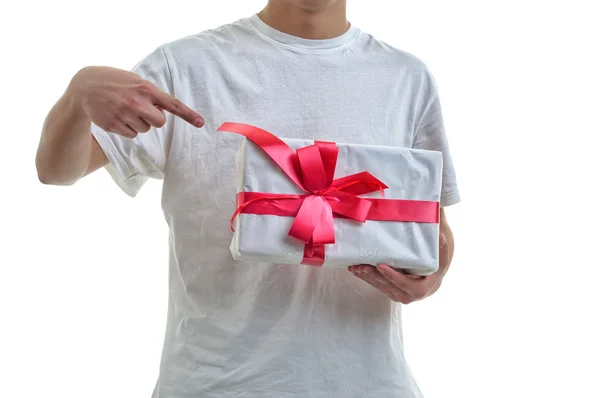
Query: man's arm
{"x": 67, "y": 150}
{"x": 448, "y": 235}
{"x": 119, "y": 102}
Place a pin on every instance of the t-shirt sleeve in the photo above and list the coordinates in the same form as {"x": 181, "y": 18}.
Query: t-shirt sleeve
{"x": 430, "y": 134}
{"x": 133, "y": 161}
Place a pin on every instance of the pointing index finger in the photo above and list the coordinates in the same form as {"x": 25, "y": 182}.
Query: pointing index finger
{"x": 178, "y": 108}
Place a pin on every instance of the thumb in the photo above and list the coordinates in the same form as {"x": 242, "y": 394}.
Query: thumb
{"x": 443, "y": 241}
{"x": 444, "y": 254}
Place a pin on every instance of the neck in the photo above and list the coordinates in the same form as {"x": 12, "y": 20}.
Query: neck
{"x": 318, "y": 22}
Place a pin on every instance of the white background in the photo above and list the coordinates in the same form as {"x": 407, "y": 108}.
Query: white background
{"x": 84, "y": 269}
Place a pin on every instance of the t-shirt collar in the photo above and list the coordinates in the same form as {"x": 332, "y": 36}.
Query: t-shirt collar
{"x": 298, "y": 42}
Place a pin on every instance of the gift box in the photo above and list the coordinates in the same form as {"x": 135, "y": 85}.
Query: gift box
{"x": 335, "y": 204}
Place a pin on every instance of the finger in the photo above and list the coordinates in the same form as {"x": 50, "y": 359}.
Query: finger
{"x": 383, "y": 289}
{"x": 153, "y": 115}
{"x": 400, "y": 296}
{"x": 368, "y": 272}
{"x": 372, "y": 280}
{"x": 123, "y": 129}
{"x": 405, "y": 272}
{"x": 378, "y": 282}
{"x": 178, "y": 108}
{"x": 444, "y": 254}
{"x": 443, "y": 262}
{"x": 415, "y": 287}
{"x": 138, "y": 124}
{"x": 365, "y": 269}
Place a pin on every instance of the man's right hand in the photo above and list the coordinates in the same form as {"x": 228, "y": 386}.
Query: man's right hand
{"x": 117, "y": 101}
{"x": 121, "y": 102}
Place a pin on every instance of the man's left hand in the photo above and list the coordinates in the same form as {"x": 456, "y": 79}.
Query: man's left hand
{"x": 401, "y": 287}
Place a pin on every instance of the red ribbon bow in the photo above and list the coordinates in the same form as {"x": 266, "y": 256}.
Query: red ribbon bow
{"x": 312, "y": 169}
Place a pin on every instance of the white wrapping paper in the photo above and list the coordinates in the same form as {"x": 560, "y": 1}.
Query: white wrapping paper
{"x": 410, "y": 174}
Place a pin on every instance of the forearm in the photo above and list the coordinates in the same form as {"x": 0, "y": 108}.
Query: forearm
{"x": 66, "y": 143}
{"x": 447, "y": 232}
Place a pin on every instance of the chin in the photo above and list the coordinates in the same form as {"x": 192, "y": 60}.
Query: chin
{"x": 313, "y": 4}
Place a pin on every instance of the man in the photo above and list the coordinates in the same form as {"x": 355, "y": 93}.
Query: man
{"x": 299, "y": 70}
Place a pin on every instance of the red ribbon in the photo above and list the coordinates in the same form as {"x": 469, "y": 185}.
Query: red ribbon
{"x": 312, "y": 169}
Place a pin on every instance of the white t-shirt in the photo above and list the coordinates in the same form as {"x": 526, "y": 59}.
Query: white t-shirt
{"x": 257, "y": 330}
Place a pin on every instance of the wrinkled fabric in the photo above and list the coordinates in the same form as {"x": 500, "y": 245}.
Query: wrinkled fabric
{"x": 257, "y": 330}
